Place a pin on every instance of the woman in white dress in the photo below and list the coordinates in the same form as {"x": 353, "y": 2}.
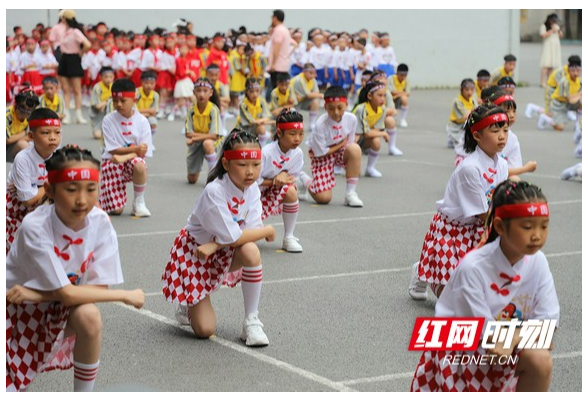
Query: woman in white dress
{"x": 551, "y": 33}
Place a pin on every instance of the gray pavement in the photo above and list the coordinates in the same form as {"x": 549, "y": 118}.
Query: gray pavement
{"x": 338, "y": 316}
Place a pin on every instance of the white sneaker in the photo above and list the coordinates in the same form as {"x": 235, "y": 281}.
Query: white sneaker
{"x": 395, "y": 151}
{"x": 171, "y": 117}
{"x": 160, "y": 114}
{"x": 252, "y": 333}
{"x": 339, "y": 170}
{"x": 353, "y": 200}
{"x": 139, "y": 208}
{"x": 529, "y": 111}
{"x": 417, "y": 289}
{"x": 80, "y": 118}
{"x": 181, "y": 314}
{"x": 373, "y": 173}
{"x": 542, "y": 122}
{"x": 291, "y": 245}
{"x": 572, "y": 116}
{"x": 302, "y": 191}
{"x": 403, "y": 124}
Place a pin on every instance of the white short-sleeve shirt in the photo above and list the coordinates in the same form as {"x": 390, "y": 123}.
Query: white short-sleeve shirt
{"x": 119, "y": 131}
{"x": 328, "y": 133}
{"x": 47, "y": 255}
{"x": 512, "y": 151}
{"x": 525, "y": 290}
{"x": 28, "y": 173}
{"x": 274, "y": 161}
{"x": 471, "y": 186}
{"x": 223, "y": 210}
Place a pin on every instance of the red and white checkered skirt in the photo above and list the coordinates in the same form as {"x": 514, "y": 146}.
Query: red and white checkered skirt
{"x": 36, "y": 342}
{"x": 272, "y": 199}
{"x": 15, "y": 212}
{"x": 187, "y": 279}
{"x": 445, "y": 244}
{"x": 113, "y": 183}
{"x": 434, "y": 374}
{"x": 323, "y": 171}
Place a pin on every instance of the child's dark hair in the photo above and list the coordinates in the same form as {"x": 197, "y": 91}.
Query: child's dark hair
{"x": 287, "y": 115}
{"x": 489, "y": 91}
{"x": 505, "y": 105}
{"x": 148, "y": 75}
{"x": 26, "y": 97}
{"x": 478, "y": 114}
{"x": 213, "y": 67}
{"x": 483, "y": 73}
{"x": 363, "y": 95}
{"x": 506, "y": 81}
{"x": 467, "y": 83}
{"x": 575, "y": 60}
{"x": 236, "y": 137}
{"x": 67, "y": 154}
{"x": 335, "y": 91}
{"x": 50, "y": 79}
{"x": 250, "y": 83}
{"x": 123, "y": 85}
{"x": 106, "y": 70}
{"x": 510, "y": 192}
{"x": 282, "y": 77}
{"x": 308, "y": 66}
{"x": 42, "y": 113}
{"x": 214, "y": 99}
{"x": 402, "y": 68}
{"x": 509, "y": 58}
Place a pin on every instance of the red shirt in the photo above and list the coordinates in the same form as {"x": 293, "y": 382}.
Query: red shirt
{"x": 195, "y": 60}
{"x": 219, "y": 58}
{"x": 182, "y": 68}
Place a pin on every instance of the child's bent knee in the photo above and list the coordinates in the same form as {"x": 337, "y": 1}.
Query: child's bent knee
{"x": 203, "y": 330}
{"x": 88, "y": 319}
{"x": 250, "y": 254}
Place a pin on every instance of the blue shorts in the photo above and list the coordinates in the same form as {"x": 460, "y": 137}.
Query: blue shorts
{"x": 320, "y": 77}
{"x": 295, "y": 70}
{"x": 344, "y": 79}
{"x": 331, "y": 80}
{"x": 387, "y": 68}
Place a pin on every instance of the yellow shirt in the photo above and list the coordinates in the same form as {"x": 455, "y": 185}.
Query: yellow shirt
{"x": 53, "y": 105}
{"x": 13, "y": 124}
{"x": 373, "y": 116}
{"x": 145, "y": 102}
{"x": 201, "y": 121}
{"x": 106, "y": 93}
{"x": 461, "y": 109}
{"x": 565, "y": 88}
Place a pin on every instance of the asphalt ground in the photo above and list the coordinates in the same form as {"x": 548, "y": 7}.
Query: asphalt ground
{"x": 338, "y": 315}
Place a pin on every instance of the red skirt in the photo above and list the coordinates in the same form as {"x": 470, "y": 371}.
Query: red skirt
{"x": 272, "y": 199}
{"x": 445, "y": 244}
{"x": 136, "y": 77}
{"x": 433, "y": 374}
{"x": 165, "y": 80}
{"x": 323, "y": 171}
{"x": 187, "y": 279}
{"x": 36, "y": 342}
{"x": 113, "y": 183}
{"x": 35, "y": 80}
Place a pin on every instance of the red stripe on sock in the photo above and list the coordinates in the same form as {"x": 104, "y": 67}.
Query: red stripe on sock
{"x": 352, "y": 180}
{"x": 93, "y": 378}
{"x": 247, "y": 281}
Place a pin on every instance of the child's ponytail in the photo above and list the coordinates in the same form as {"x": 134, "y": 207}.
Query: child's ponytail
{"x": 369, "y": 87}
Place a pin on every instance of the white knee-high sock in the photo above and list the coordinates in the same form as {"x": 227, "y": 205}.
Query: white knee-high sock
{"x": 403, "y": 112}
{"x": 305, "y": 179}
{"x": 372, "y": 158}
{"x": 85, "y": 376}
{"x": 289, "y": 216}
{"x": 139, "y": 190}
{"x": 210, "y": 160}
{"x": 393, "y": 133}
{"x": 251, "y": 287}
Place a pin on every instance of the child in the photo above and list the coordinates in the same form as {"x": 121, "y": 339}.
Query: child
{"x": 482, "y": 82}
{"x": 28, "y": 174}
{"x": 363, "y": 62}
{"x": 28, "y": 64}
{"x": 510, "y": 63}
{"x": 51, "y": 99}
{"x": 389, "y": 121}
{"x": 458, "y": 225}
{"x": 202, "y": 129}
{"x": 46, "y": 60}
{"x": 63, "y": 257}
{"x": 166, "y": 76}
{"x": 283, "y": 96}
{"x": 508, "y": 278}
{"x": 257, "y": 65}
{"x": 512, "y": 151}
{"x": 371, "y": 113}
{"x": 218, "y": 56}
{"x": 217, "y": 246}
{"x": 565, "y": 100}
{"x": 212, "y": 73}
{"x": 307, "y": 93}
{"x": 386, "y": 56}
{"x": 16, "y": 122}
{"x": 100, "y": 95}
{"x": 507, "y": 85}
{"x": 238, "y": 71}
{"x": 332, "y": 144}
{"x": 317, "y": 56}
{"x": 281, "y": 164}
{"x": 185, "y": 78}
{"x": 127, "y": 141}
{"x": 148, "y": 99}
{"x": 462, "y": 106}
{"x": 254, "y": 112}
{"x": 400, "y": 89}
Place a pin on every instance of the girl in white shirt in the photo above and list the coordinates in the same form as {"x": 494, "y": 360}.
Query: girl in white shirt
{"x": 217, "y": 246}
{"x": 457, "y": 226}
{"x": 506, "y": 279}
{"x": 62, "y": 260}
{"x": 281, "y": 165}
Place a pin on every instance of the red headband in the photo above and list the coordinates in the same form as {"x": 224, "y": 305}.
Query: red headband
{"x": 334, "y": 99}
{"x": 44, "y": 122}
{"x": 502, "y": 99}
{"x": 522, "y": 210}
{"x": 245, "y": 154}
{"x": 489, "y": 120}
{"x": 74, "y": 174}
{"x": 129, "y": 95}
{"x": 290, "y": 125}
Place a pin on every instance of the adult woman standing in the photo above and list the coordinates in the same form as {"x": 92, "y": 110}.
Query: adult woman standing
{"x": 73, "y": 45}
{"x": 551, "y": 32}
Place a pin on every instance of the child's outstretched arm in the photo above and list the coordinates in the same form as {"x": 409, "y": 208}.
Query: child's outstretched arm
{"x": 249, "y": 235}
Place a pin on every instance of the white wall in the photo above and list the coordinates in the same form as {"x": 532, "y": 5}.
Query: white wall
{"x": 441, "y": 47}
